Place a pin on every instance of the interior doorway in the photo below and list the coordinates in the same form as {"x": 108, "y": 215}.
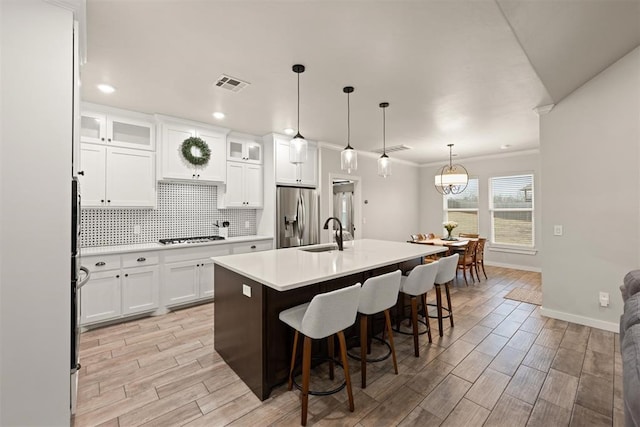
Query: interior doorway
{"x": 344, "y": 204}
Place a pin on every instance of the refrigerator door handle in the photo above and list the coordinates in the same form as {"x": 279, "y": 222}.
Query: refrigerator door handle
{"x": 86, "y": 278}
{"x": 300, "y": 214}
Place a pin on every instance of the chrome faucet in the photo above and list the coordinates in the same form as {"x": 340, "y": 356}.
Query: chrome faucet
{"x": 339, "y": 235}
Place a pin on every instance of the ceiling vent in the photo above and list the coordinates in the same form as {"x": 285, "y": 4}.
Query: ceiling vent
{"x": 400, "y": 147}
{"x": 231, "y": 83}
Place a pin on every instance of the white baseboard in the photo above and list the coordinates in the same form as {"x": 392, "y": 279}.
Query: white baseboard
{"x": 514, "y": 266}
{"x": 581, "y": 320}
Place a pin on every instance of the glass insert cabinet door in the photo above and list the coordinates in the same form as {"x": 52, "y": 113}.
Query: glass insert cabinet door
{"x": 244, "y": 151}
{"x": 98, "y": 128}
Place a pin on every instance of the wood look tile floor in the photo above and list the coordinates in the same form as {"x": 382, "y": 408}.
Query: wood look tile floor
{"x": 503, "y": 364}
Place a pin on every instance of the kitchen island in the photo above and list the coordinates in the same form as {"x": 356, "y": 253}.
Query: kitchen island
{"x": 252, "y": 289}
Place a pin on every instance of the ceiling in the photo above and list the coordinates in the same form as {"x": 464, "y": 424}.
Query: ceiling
{"x": 462, "y": 72}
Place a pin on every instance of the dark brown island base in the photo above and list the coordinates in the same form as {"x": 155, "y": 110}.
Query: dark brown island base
{"x": 252, "y": 289}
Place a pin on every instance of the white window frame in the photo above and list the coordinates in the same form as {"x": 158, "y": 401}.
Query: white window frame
{"x": 446, "y": 210}
{"x": 513, "y": 247}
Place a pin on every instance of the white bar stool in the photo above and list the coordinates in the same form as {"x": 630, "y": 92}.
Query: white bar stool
{"x": 327, "y": 314}
{"x": 448, "y": 267}
{"x": 419, "y": 281}
{"x": 378, "y": 295}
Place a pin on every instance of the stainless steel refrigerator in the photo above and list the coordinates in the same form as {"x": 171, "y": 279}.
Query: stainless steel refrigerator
{"x": 297, "y": 217}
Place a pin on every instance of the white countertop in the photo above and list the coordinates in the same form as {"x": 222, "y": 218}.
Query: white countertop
{"x": 107, "y": 250}
{"x": 285, "y": 269}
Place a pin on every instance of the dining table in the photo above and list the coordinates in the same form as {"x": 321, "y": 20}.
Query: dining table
{"x": 458, "y": 243}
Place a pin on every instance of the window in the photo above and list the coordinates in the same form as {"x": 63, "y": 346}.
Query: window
{"x": 511, "y": 205}
{"x": 463, "y": 208}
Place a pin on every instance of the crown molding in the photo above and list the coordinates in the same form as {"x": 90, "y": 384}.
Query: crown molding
{"x": 369, "y": 154}
{"x": 486, "y": 157}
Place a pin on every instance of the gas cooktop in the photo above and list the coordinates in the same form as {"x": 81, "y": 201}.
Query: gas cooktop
{"x": 201, "y": 239}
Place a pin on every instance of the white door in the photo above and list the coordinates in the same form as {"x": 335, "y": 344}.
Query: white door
{"x": 124, "y": 132}
{"x": 205, "y": 274}
{"x": 140, "y": 289}
{"x": 253, "y": 152}
{"x": 130, "y": 178}
{"x": 216, "y": 169}
{"x": 180, "y": 282}
{"x": 92, "y": 183}
{"x": 174, "y": 166}
{"x": 234, "y": 196}
{"x": 100, "y": 298}
{"x": 309, "y": 169}
{"x": 253, "y": 185}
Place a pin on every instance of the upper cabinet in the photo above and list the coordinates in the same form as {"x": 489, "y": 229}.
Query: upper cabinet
{"x": 174, "y": 166}
{"x": 287, "y": 173}
{"x": 244, "y": 150}
{"x": 117, "y": 131}
{"x": 117, "y": 158}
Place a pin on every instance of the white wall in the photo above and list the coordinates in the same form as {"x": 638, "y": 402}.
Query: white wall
{"x": 391, "y": 211}
{"x": 35, "y": 241}
{"x": 431, "y": 207}
{"x": 591, "y": 185}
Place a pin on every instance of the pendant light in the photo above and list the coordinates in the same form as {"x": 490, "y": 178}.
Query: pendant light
{"x": 384, "y": 163}
{"x": 453, "y": 179}
{"x": 298, "y": 145}
{"x": 348, "y": 156}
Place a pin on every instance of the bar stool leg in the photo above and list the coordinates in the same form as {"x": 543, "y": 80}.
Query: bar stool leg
{"x": 446, "y": 288}
{"x": 393, "y": 347}
{"x": 426, "y": 315}
{"x": 414, "y": 320}
{"x": 439, "y": 306}
{"x": 363, "y": 350}
{"x": 306, "y": 369}
{"x": 331, "y": 353}
{"x": 345, "y": 363}
{"x": 293, "y": 360}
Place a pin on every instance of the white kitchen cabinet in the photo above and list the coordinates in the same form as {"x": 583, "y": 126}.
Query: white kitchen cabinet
{"x": 140, "y": 287}
{"x": 251, "y": 246}
{"x": 101, "y": 297}
{"x": 244, "y": 187}
{"x": 117, "y": 177}
{"x": 205, "y": 279}
{"x": 287, "y": 173}
{"x": 180, "y": 282}
{"x": 175, "y": 167}
{"x": 117, "y": 130}
{"x": 244, "y": 150}
{"x": 116, "y": 289}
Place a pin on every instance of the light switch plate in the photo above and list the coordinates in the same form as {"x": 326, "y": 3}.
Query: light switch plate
{"x": 246, "y": 290}
{"x": 557, "y": 230}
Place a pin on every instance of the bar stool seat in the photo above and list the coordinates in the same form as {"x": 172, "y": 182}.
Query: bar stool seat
{"x": 447, "y": 269}
{"x": 327, "y": 314}
{"x": 416, "y": 285}
{"x": 378, "y": 295}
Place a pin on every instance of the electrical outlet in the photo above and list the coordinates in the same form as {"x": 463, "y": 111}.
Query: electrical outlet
{"x": 246, "y": 290}
{"x": 246, "y": 224}
{"x": 604, "y": 299}
{"x": 557, "y": 230}
{"x": 136, "y": 229}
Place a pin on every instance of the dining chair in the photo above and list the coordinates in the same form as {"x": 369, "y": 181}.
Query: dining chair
{"x": 479, "y": 259}
{"x": 467, "y": 260}
{"x": 470, "y": 235}
{"x": 327, "y": 314}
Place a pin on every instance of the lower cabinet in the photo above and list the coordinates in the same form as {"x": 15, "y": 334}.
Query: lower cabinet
{"x": 190, "y": 280}
{"x": 101, "y": 297}
{"x": 140, "y": 289}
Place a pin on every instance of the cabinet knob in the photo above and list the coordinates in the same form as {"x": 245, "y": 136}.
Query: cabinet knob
{"x": 117, "y": 276}
{"x": 101, "y": 200}
{"x": 126, "y": 275}
{"x": 108, "y": 201}
{"x": 101, "y": 264}
{"x": 197, "y": 265}
{"x": 109, "y": 139}
{"x": 141, "y": 259}
{"x": 253, "y": 246}
{"x": 193, "y": 176}
{"x": 101, "y": 139}
{"x": 81, "y": 173}
{"x": 198, "y": 176}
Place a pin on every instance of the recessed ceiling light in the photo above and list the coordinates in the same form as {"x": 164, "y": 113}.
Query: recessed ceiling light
{"x": 218, "y": 115}
{"x": 505, "y": 146}
{"x": 105, "y": 88}
{"x": 289, "y": 131}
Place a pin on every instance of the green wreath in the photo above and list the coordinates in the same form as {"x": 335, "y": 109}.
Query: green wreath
{"x": 198, "y": 157}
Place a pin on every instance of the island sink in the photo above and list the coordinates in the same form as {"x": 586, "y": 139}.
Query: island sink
{"x": 321, "y": 249}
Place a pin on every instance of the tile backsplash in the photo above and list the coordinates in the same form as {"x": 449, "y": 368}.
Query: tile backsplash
{"x": 184, "y": 210}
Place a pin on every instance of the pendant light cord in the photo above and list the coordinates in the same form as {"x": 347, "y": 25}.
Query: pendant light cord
{"x": 348, "y": 121}
{"x": 384, "y": 132}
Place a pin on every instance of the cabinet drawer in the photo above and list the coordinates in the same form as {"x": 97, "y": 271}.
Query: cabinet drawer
{"x": 203, "y": 252}
{"x": 101, "y": 262}
{"x": 254, "y": 246}
{"x": 139, "y": 259}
